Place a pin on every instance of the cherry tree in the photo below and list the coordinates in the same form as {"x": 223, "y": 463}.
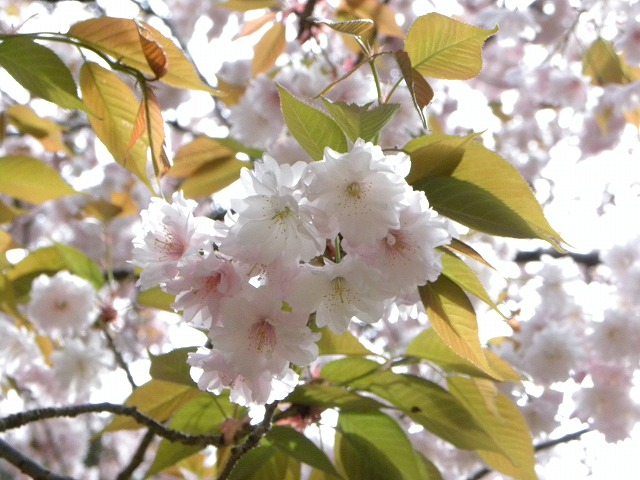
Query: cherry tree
{"x": 322, "y": 239}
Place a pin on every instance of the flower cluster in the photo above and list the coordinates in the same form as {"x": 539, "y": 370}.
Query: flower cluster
{"x": 334, "y": 240}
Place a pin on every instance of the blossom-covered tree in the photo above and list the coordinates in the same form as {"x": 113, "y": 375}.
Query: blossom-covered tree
{"x": 264, "y": 239}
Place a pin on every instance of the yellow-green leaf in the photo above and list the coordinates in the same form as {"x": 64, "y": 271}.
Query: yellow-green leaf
{"x": 502, "y": 420}
{"x": 344, "y": 344}
{"x": 46, "y": 131}
{"x": 114, "y": 110}
{"x": 361, "y": 121}
{"x": 462, "y": 275}
{"x": 603, "y": 64}
{"x": 156, "y": 298}
{"x": 441, "y": 47}
{"x": 462, "y": 248}
{"x": 429, "y": 346}
{"x": 453, "y": 318}
{"x": 268, "y": 49}
{"x": 119, "y": 38}
{"x": 8, "y": 213}
{"x": 351, "y": 27}
{"x": 480, "y": 189}
{"x": 23, "y": 178}
{"x": 246, "y": 5}
{"x": 435, "y": 155}
{"x": 196, "y": 154}
{"x": 157, "y": 399}
{"x": 6, "y": 242}
{"x": 310, "y": 127}
{"x": 40, "y": 71}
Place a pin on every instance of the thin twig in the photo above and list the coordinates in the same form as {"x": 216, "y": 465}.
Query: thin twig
{"x": 26, "y": 465}
{"x": 19, "y": 419}
{"x": 118, "y": 356}
{"x": 251, "y": 442}
{"x": 138, "y": 457}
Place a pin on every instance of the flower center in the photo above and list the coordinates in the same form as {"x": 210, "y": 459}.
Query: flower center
{"x": 169, "y": 246}
{"x": 283, "y": 214}
{"x": 262, "y": 336}
{"x": 355, "y": 190}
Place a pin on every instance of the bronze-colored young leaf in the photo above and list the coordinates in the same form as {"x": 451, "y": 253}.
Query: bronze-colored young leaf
{"x": 268, "y": 49}
{"x": 153, "y": 52}
{"x": 419, "y": 89}
{"x": 441, "y": 47}
{"x": 247, "y": 5}
{"x": 114, "y": 110}
{"x": 155, "y": 132}
{"x": 119, "y": 38}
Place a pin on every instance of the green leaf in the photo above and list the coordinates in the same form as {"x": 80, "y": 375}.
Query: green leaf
{"x": 202, "y": 415}
{"x": 296, "y": 445}
{"x": 157, "y": 399}
{"x": 435, "y": 155}
{"x": 114, "y": 110}
{"x": 172, "y": 366}
{"x": 120, "y": 39}
{"x": 344, "y": 344}
{"x": 453, "y": 318}
{"x": 429, "y": 346}
{"x": 371, "y": 446}
{"x": 22, "y": 177}
{"x": 40, "y": 71}
{"x": 503, "y": 422}
{"x": 423, "y": 401}
{"x": 312, "y": 129}
{"x": 462, "y": 275}
{"x": 8, "y": 213}
{"x": 459, "y": 247}
{"x": 266, "y": 463}
{"x": 602, "y": 64}
{"x": 50, "y": 260}
{"x": 156, "y": 298}
{"x": 328, "y": 396}
{"x": 441, "y": 47}
{"x": 361, "y": 121}
{"x": 484, "y": 192}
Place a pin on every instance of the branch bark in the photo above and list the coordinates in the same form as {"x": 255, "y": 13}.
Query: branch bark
{"x": 19, "y": 419}
{"x": 26, "y": 465}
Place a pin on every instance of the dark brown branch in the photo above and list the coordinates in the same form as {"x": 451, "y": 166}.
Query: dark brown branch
{"x": 19, "y": 419}
{"x": 138, "y": 457}
{"x": 537, "y": 448}
{"x": 251, "y": 442}
{"x": 590, "y": 259}
{"x": 303, "y": 18}
{"x": 26, "y": 465}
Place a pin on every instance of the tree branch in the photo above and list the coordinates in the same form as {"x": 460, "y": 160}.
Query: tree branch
{"x": 19, "y": 419}
{"x": 138, "y": 457}
{"x": 537, "y": 448}
{"x": 251, "y": 442}
{"x": 26, "y": 465}
{"x": 590, "y": 259}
